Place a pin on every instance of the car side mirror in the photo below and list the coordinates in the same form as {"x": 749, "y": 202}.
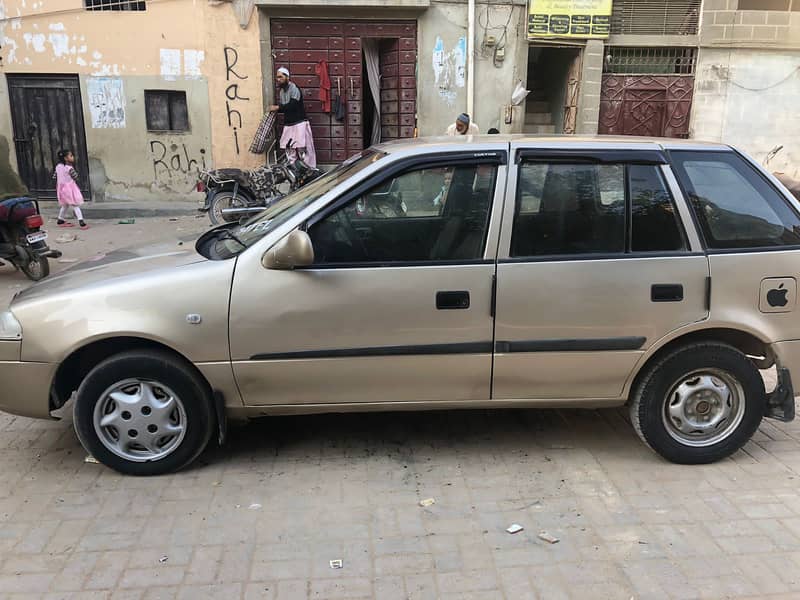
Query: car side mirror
{"x": 295, "y": 250}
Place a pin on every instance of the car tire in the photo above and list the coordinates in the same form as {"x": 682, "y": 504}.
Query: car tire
{"x": 699, "y": 403}
{"x": 144, "y": 413}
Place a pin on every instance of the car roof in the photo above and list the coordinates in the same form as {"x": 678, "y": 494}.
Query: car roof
{"x": 543, "y": 141}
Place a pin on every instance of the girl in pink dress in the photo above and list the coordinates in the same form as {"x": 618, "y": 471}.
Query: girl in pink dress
{"x": 68, "y": 192}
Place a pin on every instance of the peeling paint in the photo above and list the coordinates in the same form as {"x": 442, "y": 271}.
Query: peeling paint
{"x": 192, "y": 61}
{"x": 60, "y": 44}
{"x": 170, "y": 63}
{"x": 35, "y": 41}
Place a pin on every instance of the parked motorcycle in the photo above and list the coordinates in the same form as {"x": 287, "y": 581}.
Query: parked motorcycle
{"x": 22, "y": 242}
{"x": 234, "y": 193}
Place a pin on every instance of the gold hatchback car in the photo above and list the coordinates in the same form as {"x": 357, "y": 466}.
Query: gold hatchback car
{"x": 436, "y": 274}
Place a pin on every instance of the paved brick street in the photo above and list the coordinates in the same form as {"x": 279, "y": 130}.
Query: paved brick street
{"x": 263, "y": 516}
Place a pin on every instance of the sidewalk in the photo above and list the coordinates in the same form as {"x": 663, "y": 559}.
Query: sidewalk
{"x": 122, "y": 210}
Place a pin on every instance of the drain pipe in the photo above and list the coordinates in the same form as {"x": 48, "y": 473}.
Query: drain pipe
{"x": 471, "y": 59}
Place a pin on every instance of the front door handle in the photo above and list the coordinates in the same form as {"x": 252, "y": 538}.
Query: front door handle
{"x": 666, "y": 292}
{"x": 452, "y": 300}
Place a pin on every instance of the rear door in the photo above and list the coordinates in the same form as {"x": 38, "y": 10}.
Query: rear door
{"x": 594, "y": 267}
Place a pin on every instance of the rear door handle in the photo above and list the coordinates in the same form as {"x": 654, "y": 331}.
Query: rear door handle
{"x": 666, "y": 292}
{"x": 452, "y": 300}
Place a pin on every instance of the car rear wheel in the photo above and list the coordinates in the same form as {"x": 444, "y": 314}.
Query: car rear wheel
{"x": 699, "y": 404}
{"x": 143, "y": 413}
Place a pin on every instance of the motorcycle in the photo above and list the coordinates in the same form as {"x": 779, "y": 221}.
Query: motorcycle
{"x": 22, "y": 242}
{"x": 234, "y": 193}
{"x": 792, "y": 184}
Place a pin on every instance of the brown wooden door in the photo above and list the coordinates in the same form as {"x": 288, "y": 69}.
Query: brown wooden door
{"x": 47, "y": 116}
{"x": 299, "y": 44}
{"x": 648, "y": 105}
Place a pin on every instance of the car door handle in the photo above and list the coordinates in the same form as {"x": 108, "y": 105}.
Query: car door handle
{"x": 452, "y": 300}
{"x": 666, "y": 292}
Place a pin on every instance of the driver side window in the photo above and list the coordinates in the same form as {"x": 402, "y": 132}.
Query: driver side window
{"x": 422, "y": 215}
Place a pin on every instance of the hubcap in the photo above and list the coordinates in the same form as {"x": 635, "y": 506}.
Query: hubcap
{"x": 140, "y": 420}
{"x": 703, "y": 408}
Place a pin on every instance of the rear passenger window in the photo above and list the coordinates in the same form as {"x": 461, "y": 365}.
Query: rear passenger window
{"x": 569, "y": 209}
{"x": 735, "y": 206}
{"x": 583, "y": 209}
{"x": 654, "y": 224}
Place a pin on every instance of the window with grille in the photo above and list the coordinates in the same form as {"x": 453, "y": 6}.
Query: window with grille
{"x": 166, "y": 110}
{"x": 655, "y": 17}
{"x": 650, "y": 61}
{"x": 116, "y": 5}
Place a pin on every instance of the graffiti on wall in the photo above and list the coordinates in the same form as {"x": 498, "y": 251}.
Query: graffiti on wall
{"x": 175, "y": 161}
{"x": 106, "y": 102}
{"x": 233, "y": 94}
{"x": 449, "y": 68}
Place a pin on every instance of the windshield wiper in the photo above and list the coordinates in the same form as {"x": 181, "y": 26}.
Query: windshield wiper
{"x": 227, "y": 234}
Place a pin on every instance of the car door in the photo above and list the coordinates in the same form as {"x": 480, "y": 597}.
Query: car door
{"x": 397, "y": 305}
{"x": 594, "y": 267}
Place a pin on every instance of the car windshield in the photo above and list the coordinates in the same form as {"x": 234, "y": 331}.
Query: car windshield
{"x": 232, "y": 240}
{"x": 285, "y": 208}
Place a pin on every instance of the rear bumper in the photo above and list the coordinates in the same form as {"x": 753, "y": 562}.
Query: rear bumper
{"x": 26, "y": 388}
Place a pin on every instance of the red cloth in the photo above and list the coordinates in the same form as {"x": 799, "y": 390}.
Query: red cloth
{"x": 324, "y": 85}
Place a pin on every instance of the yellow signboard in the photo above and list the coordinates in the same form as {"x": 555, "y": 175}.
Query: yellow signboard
{"x": 569, "y": 18}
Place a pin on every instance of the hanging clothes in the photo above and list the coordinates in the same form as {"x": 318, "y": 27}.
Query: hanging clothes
{"x": 324, "y": 85}
{"x": 338, "y": 102}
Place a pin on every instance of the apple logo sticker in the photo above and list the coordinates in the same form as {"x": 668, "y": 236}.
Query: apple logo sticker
{"x": 777, "y": 297}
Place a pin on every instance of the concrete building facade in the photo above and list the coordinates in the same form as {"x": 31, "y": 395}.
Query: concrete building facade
{"x": 150, "y": 91}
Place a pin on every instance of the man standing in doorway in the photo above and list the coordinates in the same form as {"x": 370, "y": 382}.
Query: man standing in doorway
{"x": 463, "y": 126}
{"x": 295, "y": 124}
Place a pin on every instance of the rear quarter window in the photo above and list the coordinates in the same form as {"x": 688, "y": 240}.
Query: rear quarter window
{"x": 735, "y": 206}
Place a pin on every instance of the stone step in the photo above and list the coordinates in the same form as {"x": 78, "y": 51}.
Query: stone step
{"x": 534, "y": 106}
{"x": 539, "y": 129}
{"x": 538, "y": 118}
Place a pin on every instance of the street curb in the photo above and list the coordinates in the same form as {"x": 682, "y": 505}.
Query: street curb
{"x": 98, "y": 212}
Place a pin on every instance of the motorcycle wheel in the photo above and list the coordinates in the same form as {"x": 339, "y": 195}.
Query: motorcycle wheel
{"x": 222, "y": 200}
{"x": 37, "y": 269}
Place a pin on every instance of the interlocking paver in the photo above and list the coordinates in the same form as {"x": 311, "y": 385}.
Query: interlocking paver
{"x": 263, "y": 516}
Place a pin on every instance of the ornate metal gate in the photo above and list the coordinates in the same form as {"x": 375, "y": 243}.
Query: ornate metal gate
{"x": 649, "y": 105}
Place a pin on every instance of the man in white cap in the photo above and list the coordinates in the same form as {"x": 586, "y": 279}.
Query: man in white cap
{"x": 295, "y": 123}
{"x": 463, "y": 126}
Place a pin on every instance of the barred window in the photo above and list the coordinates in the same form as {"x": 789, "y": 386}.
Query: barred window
{"x": 166, "y": 110}
{"x": 116, "y": 5}
{"x": 624, "y": 60}
{"x": 655, "y": 17}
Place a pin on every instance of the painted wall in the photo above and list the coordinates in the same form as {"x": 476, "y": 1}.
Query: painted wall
{"x": 749, "y": 98}
{"x": 120, "y": 54}
{"x": 442, "y": 65}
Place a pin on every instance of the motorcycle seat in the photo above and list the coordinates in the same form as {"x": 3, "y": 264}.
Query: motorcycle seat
{"x": 16, "y": 208}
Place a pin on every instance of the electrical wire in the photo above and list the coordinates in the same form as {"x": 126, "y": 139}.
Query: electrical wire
{"x": 750, "y": 89}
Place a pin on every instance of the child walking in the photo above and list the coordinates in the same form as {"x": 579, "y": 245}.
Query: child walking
{"x": 69, "y": 194}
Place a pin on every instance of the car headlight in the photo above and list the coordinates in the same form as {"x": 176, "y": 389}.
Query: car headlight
{"x": 10, "y": 329}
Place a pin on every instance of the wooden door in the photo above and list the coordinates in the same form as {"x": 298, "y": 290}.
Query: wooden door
{"x": 298, "y": 44}
{"x": 47, "y": 116}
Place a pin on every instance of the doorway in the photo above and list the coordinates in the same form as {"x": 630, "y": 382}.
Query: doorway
{"x": 554, "y": 82}
{"x": 300, "y": 45}
{"x": 47, "y": 115}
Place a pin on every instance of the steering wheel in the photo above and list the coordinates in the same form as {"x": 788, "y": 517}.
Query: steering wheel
{"x": 352, "y": 234}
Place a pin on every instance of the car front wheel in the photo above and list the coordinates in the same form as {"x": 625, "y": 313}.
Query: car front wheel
{"x": 699, "y": 404}
{"x": 143, "y": 413}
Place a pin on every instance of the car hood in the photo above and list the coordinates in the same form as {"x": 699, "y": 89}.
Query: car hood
{"x": 116, "y": 264}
